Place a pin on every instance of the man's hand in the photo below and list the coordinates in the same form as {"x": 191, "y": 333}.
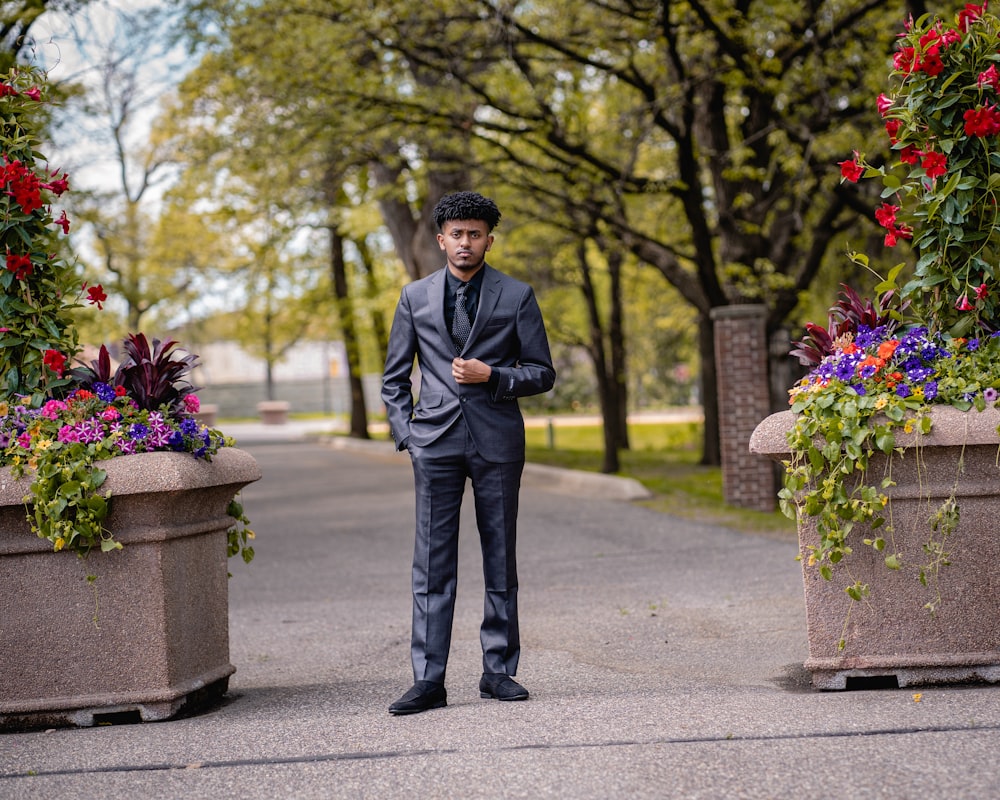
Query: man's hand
{"x": 470, "y": 371}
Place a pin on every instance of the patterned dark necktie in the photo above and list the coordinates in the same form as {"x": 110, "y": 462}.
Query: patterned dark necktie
{"x": 460, "y": 326}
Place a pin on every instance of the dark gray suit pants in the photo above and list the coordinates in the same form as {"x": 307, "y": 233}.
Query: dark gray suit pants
{"x": 440, "y": 472}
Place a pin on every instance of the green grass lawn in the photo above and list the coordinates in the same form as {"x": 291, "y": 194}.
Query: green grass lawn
{"x": 664, "y": 458}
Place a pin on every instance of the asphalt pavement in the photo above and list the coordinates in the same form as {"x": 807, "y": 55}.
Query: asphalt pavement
{"x": 663, "y": 656}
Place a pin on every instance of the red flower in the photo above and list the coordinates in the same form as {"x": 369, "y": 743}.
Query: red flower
{"x": 963, "y": 304}
{"x": 63, "y": 222}
{"x": 929, "y": 41}
{"x": 886, "y": 215}
{"x": 982, "y": 121}
{"x": 905, "y": 60}
{"x": 96, "y": 295}
{"x": 981, "y": 291}
{"x": 20, "y": 265}
{"x": 58, "y": 186}
{"x": 894, "y": 234}
{"x": 55, "y": 361}
{"x": 884, "y": 103}
{"x": 34, "y": 93}
{"x": 910, "y": 154}
{"x": 120, "y": 391}
{"x": 892, "y": 127}
{"x": 969, "y": 15}
{"x": 931, "y": 63}
{"x": 935, "y": 164}
{"x": 851, "y": 170}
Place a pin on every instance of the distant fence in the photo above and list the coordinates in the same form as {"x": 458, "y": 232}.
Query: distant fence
{"x": 330, "y": 396}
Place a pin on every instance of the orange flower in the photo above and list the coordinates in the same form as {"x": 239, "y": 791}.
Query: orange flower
{"x": 886, "y": 349}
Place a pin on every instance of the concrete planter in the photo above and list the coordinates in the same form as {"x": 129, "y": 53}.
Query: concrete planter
{"x": 273, "y": 412}
{"x": 150, "y": 636}
{"x": 891, "y": 634}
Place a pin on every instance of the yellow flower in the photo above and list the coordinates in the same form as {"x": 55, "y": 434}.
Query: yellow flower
{"x": 60, "y": 544}
{"x": 880, "y": 403}
{"x": 908, "y": 427}
{"x": 43, "y": 444}
{"x": 4, "y": 409}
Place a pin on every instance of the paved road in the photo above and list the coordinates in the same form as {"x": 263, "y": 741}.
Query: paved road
{"x": 663, "y": 657}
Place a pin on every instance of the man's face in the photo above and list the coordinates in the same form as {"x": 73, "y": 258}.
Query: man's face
{"x": 465, "y": 243}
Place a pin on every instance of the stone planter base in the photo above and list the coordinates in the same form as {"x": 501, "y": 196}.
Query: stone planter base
{"x": 891, "y": 634}
{"x": 148, "y": 637}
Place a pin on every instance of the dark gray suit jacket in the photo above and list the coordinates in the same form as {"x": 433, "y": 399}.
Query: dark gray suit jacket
{"x": 508, "y": 335}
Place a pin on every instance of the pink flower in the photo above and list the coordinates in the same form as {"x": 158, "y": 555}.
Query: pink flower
{"x": 884, "y": 103}
{"x": 963, "y": 304}
{"x": 989, "y": 77}
{"x": 192, "y": 404}
{"x": 67, "y": 433}
{"x": 63, "y": 222}
{"x": 981, "y": 291}
{"x": 110, "y": 414}
{"x": 52, "y": 408}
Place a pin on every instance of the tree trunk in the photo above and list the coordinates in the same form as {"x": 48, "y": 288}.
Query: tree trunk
{"x": 607, "y": 391}
{"x": 616, "y": 338}
{"x": 372, "y": 292}
{"x": 711, "y": 448}
{"x": 348, "y": 328}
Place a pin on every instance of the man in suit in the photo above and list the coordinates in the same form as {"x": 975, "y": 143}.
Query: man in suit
{"x": 479, "y": 340}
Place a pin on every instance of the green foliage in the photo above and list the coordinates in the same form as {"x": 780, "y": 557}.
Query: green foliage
{"x": 37, "y": 336}
{"x": 941, "y": 185}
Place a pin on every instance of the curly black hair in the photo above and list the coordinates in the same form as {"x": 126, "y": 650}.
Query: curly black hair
{"x": 466, "y": 205}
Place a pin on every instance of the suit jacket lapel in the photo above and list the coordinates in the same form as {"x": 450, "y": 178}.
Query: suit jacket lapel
{"x": 435, "y": 302}
{"x": 489, "y": 296}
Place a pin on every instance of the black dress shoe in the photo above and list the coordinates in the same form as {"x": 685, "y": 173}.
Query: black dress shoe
{"x": 501, "y": 687}
{"x": 422, "y": 696}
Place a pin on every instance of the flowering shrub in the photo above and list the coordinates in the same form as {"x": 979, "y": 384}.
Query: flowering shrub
{"x": 878, "y": 367}
{"x": 61, "y": 442}
{"x": 40, "y": 289}
{"x": 940, "y": 185}
{"x": 58, "y": 424}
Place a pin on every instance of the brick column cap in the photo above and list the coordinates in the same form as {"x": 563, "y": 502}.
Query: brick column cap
{"x": 738, "y": 310}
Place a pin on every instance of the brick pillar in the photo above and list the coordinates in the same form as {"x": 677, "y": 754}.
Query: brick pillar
{"x": 741, "y": 363}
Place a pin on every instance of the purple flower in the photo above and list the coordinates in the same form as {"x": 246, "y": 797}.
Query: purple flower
{"x": 903, "y": 390}
{"x": 104, "y": 392}
{"x": 990, "y": 395}
{"x": 930, "y": 390}
{"x": 90, "y": 431}
{"x": 137, "y": 431}
{"x": 972, "y": 345}
{"x": 159, "y": 431}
